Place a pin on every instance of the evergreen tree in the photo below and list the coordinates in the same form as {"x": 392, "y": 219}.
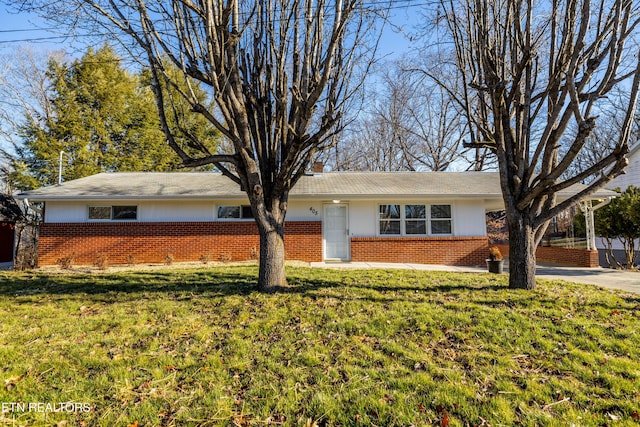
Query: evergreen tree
{"x": 193, "y": 133}
{"x": 104, "y": 119}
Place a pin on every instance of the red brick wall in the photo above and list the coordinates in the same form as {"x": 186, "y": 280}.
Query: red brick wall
{"x": 562, "y": 256}
{"x": 470, "y": 251}
{"x": 185, "y": 241}
{"x": 238, "y": 241}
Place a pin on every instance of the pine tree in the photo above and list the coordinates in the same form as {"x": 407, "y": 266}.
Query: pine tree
{"x": 104, "y": 119}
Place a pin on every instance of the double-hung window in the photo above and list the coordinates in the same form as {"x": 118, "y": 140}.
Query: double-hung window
{"x": 441, "y": 219}
{"x": 235, "y": 212}
{"x": 414, "y": 219}
{"x": 389, "y": 219}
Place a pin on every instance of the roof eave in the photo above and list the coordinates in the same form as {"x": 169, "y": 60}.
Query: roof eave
{"x": 128, "y": 198}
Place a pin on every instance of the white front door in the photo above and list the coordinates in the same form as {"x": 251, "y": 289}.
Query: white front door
{"x": 336, "y": 232}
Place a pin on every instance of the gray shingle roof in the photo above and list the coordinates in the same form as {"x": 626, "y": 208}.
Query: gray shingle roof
{"x": 333, "y": 185}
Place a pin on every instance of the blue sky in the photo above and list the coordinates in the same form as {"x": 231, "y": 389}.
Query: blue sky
{"x": 29, "y": 29}
{"x": 20, "y": 30}
{"x": 23, "y": 29}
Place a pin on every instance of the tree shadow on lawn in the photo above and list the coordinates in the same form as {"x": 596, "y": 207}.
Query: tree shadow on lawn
{"x": 211, "y": 281}
{"x": 214, "y": 282}
{"x": 218, "y": 282}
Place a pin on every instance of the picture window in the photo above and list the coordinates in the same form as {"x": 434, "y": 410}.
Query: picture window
{"x": 414, "y": 220}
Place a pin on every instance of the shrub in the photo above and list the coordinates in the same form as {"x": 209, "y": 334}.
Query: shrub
{"x": 66, "y": 262}
{"x": 494, "y": 253}
{"x": 101, "y": 261}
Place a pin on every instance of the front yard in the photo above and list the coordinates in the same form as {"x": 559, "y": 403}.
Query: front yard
{"x": 203, "y": 347}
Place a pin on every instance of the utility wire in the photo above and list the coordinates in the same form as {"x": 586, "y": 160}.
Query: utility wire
{"x": 397, "y": 5}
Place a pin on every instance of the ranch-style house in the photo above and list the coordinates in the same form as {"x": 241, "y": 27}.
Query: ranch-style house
{"x": 409, "y": 217}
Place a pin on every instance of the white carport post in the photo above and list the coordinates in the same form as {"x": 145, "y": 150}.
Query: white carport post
{"x": 587, "y": 209}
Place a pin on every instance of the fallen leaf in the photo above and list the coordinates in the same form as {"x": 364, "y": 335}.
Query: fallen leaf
{"x": 134, "y": 424}
{"x": 241, "y": 421}
{"x": 10, "y": 383}
{"x": 444, "y": 422}
{"x": 310, "y": 423}
{"x": 387, "y": 399}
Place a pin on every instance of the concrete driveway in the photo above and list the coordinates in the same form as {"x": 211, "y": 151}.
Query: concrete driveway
{"x": 613, "y": 279}
{"x": 607, "y": 278}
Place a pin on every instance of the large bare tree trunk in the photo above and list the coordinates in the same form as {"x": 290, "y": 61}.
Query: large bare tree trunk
{"x": 522, "y": 252}
{"x": 278, "y": 72}
{"x": 272, "y": 256}
{"x": 270, "y": 218}
{"x": 537, "y": 76}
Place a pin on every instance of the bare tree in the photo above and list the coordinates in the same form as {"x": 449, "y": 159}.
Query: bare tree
{"x": 278, "y": 72}
{"x": 23, "y": 89}
{"x": 375, "y": 140}
{"x": 456, "y": 104}
{"x": 409, "y": 123}
{"x": 25, "y": 221}
{"x": 435, "y": 127}
{"x": 535, "y": 68}
{"x": 604, "y": 136}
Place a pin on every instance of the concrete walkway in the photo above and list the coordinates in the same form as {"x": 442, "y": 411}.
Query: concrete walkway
{"x": 628, "y": 281}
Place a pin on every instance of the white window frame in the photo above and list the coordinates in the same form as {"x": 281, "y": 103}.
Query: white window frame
{"x": 424, "y": 219}
{"x": 390, "y": 219}
{"x": 429, "y": 220}
{"x": 111, "y": 213}
{"x": 241, "y": 209}
{"x": 448, "y": 219}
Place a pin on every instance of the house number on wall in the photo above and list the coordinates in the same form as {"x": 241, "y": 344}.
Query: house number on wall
{"x": 313, "y": 211}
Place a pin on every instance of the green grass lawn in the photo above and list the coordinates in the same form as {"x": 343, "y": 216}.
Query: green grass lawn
{"x": 203, "y": 347}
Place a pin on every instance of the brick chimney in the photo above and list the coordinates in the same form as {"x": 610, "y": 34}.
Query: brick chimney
{"x": 318, "y": 167}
